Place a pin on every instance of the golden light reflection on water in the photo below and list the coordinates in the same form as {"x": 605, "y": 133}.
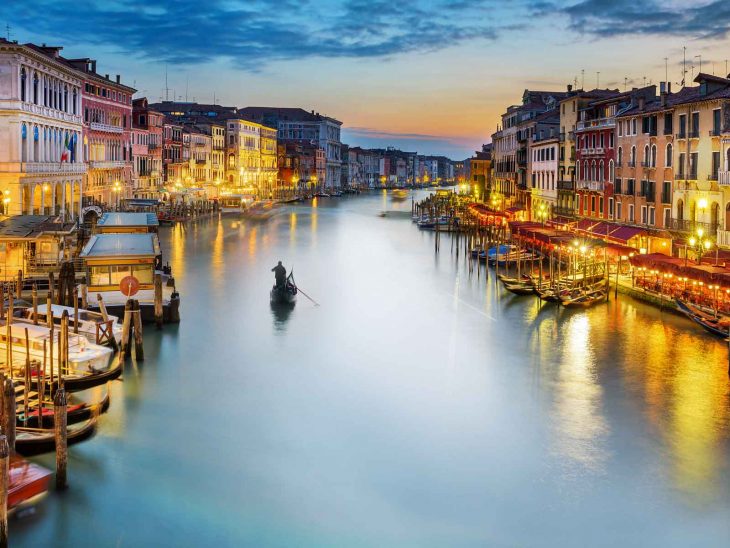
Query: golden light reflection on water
{"x": 252, "y": 237}
{"x": 177, "y": 257}
{"x": 217, "y": 256}
{"x": 292, "y": 228}
{"x": 580, "y": 426}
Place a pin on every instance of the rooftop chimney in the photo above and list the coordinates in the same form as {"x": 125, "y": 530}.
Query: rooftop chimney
{"x": 106, "y": 76}
{"x": 570, "y": 88}
{"x": 642, "y": 102}
{"x": 662, "y": 87}
{"x": 119, "y": 79}
{"x": 669, "y": 88}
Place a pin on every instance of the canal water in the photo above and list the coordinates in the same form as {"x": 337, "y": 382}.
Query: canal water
{"x": 418, "y": 405}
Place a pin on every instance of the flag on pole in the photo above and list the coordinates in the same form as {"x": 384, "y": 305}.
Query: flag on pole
{"x": 66, "y": 154}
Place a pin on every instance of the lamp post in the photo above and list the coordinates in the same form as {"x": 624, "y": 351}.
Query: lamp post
{"x": 117, "y": 189}
{"x": 699, "y": 245}
{"x": 542, "y": 213}
{"x": 6, "y": 202}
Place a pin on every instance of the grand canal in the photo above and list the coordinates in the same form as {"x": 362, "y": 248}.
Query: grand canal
{"x": 419, "y": 405}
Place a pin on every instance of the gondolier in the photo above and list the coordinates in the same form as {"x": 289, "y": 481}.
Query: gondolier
{"x": 280, "y": 274}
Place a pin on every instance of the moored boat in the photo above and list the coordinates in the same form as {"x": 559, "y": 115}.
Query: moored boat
{"x": 34, "y": 441}
{"x": 27, "y": 482}
{"x": 89, "y": 321}
{"x": 718, "y": 326}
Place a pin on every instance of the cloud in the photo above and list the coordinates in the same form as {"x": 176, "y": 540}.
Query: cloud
{"x": 252, "y": 33}
{"x": 608, "y": 18}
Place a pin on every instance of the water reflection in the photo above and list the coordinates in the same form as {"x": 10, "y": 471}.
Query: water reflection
{"x": 281, "y": 313}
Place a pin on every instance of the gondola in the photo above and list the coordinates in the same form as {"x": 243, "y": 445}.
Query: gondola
{"x": 716, "y": 326}
{"x": 34, "y": 441}
{"x": 76, "y": 411}
{"x": 585, "y": 300}
{"x": 520, "y": 288}
{"x": 285, "y": 294}
{"x": 548, "y": 294}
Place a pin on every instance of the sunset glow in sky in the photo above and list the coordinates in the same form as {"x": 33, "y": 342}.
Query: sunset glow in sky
{"x": 431, "y": 76}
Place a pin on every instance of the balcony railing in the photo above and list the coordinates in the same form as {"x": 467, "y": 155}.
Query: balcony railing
{"x": 564, "y": 211}
{"x": 681, "y": 135}
{"x": 49, "y": 112}
{"x": 598, "y": 123}
{"x": 684, "y": 225}
{"x": 591, "y": 185}
{"x": 712, "y": 176}
{"x": 723, "y": 177}
{"x": 566, "y": 185}
{"x": 723, "y": 238}
{"x": 98, "y": 126}
{"x": 53, "y": 167}
{"x": 648, "y": 165}
{"x": 108, "y": 164}
{"x": 694, "y": 134}
{"x": 631, "y": 163}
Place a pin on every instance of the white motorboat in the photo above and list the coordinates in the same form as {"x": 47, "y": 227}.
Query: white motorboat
{"x": 89, "y": 321}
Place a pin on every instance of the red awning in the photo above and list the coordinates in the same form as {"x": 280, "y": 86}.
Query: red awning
{"x": 624, "y": 233}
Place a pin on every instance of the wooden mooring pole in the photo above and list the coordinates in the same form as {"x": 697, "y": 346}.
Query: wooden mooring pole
{"x": 60, "y": 419}
{"x": 4, "y": 485}
{"x": 126, "y": 328}
{"x": 8, "y": 414}
{"x": 138, "y": 342}
{"x": 158, "y": 301}
{"x": 35, "y": 305}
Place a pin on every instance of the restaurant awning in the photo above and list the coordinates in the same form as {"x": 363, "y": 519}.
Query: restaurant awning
{"x": 624, "y": 233}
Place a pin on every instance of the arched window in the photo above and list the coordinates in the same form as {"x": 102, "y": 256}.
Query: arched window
{"x": 646, "y": 155}
{"x": 611, "y": 171}
{"x": 75, "y": 100}
{"x": 633, "y": 156}
{"x": 577, "y": 171}
{"x": 668, "y": 158}
{"x": 653, "y": 155}
{"x": 620, "y": 155}
{"x": 65, "y": 98}
{"x": 601, "y": 173}
{"x": 22, "y": 83}
{"x": 593, "y": 170}
{"x": 35, "y": 88}
{"x": 680, "y": 210}
{"x": 586, "y": 171}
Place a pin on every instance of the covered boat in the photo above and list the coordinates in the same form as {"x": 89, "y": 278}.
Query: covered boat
{"x": 718, "y": 326}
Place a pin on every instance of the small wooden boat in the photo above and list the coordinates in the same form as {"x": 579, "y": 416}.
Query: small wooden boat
{"x": 27, "y": 482}
{"x": 260, "y": 211}
{"x": 520, "y": 288}
{"x": 77, "y": 410}
{"x": 585, "y": 299}
{"x": 34, "y": 441}
{"x": 399, "y": 194}
{"x": 548, "y": 294}
{"x": 285, "y": 294}
{"x": 718, "y": 326}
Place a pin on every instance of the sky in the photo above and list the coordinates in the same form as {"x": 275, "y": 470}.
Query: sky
{"x": 431, "y": 76}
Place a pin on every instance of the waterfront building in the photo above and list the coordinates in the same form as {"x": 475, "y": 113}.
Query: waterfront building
{"x": 41, "y": 161}
{"x": 596, "y": 151}
{"x": 107, "y": 120}
{"x": 542, "y": 170}
{"x": 172, "y": 154}
{"x": 141, "y": 162}
{"x": 149, "y": 184}
{"x": 298, "y": 125}
{"x": 197, "y": 155}
{"x": 570, "y": 106}
{"x": 512, "y": 137}
{"x": 644, "y": 164}
{"x": 243, "y": 156}
{"x": 268, "y": 178}
{"x": 479, "y": 172}
{"x": 701, "y": 192}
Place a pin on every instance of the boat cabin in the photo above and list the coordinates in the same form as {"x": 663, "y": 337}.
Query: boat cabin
{"x": 35, "y": 244}
{"x": 118, "y": 222}
{"x": 108, "y": 258}
{"x": 235, "y": 203}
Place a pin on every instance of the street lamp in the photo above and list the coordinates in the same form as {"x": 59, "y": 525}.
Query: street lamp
{"x": 117, "y": 189}
{"x": 542, "y": 213}
{"x": 6, "y": 202}
{"x": 699, "y": 245}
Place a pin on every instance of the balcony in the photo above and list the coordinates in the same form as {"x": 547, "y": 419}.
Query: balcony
{"x": 595, "y": 124}
{"x": 712, "y": 177}
{"x": 598, "y": 151}
{"x": 49, "y": 112}
{"x": 108, "y": 164}
{"x": 648, "y": 165}
{"x": 566, "y": 185}
{"x": 715, "y": 132}
{"x": 723, "y": 238}
{"x": 684, "y": 225}
{"x": 564, "y": 211}
{"x": 723, "y": 177}
{"x": 694, "y": 134}
{"x": 53, "y": 167}
{"x": 631, "y": 163}
{"x": 596, "y": 186}
{"x": 681, "y": 135}
{"x": 97, "y": 126}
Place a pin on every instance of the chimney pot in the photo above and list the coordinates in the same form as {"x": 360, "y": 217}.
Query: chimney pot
{"x": 119, "y": 79}
{"x": 669, "y": 87}
{"x": 642, "y": 103}
{"x": 570, "y": 88}
{"x": 106, "y": 76}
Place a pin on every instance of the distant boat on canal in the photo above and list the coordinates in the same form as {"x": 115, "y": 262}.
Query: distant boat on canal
{"x": 285, "y": 294}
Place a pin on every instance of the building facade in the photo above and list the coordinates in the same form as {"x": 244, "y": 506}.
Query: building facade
{"x": 41, "y": 162}
{"x": 542, "y": 172}
{"x": 150, "y": 179}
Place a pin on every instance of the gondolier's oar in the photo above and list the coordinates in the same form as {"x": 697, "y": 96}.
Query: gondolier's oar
{"x": 299, "y": 289}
